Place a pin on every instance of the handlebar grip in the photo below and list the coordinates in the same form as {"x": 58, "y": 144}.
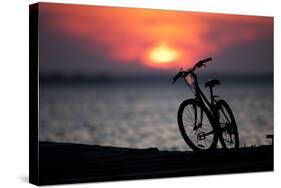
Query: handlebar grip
{"x": 205, "y": 60}
{"x": 176, "y": 77}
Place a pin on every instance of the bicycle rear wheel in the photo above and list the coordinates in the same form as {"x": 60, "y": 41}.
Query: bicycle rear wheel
{"x": 195, "y": 124}
{"x": 229, "y": 137}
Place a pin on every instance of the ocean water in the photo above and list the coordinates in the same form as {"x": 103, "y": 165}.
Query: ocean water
{"x": 144, "y": 116}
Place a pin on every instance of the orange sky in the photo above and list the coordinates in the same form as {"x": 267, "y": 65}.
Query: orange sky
{"x": 132, "y": 35}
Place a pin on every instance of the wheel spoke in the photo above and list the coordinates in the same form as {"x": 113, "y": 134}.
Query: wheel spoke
{"x": 228, "y": 131}
{"x": 202, "y": 126}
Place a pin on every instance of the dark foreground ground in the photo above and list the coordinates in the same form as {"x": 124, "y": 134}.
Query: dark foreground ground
{"x": 72, "y": 163}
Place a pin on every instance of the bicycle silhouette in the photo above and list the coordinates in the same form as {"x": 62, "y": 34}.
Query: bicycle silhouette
{"x": 202, "y": 122}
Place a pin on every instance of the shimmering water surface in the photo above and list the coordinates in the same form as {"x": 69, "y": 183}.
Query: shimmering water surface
{"x": 144, "y": 116}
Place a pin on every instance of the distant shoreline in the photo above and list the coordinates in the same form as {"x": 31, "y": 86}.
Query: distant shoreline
{"x": 62, "y": 163}
{"x": 107, "y": 79}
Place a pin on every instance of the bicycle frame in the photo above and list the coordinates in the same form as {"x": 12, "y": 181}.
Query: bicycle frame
{"x": 199, "y": 95}
{"x": 210, "y": 105}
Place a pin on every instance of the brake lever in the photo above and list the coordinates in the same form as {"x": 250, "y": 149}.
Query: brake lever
{"x": 177, "y": 76}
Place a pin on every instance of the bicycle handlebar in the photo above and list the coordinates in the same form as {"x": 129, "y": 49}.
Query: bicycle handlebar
{"x": 206, "y": 60}
{"x": 199, "y": 64}
{"x": 178, "y": 75}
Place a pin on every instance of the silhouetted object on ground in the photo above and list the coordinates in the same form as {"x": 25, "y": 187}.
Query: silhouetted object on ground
{"x": 270, "y": 136}
{"x": 203, "y": 122}
{"x": 70, "y": 163}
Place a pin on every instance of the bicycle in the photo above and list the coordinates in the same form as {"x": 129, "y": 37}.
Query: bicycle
{"x": 202, "y": 122}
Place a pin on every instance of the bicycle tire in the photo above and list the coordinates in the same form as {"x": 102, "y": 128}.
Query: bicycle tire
{"x": 226, "y": 135}
{"x": 208, "y": 125}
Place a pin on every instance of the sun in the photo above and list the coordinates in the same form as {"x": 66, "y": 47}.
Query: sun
{"x": 163, "y": 54}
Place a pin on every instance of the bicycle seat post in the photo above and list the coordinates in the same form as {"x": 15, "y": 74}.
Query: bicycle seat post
{"x": 211, "y": 95}
{"x": 211, "y": 84}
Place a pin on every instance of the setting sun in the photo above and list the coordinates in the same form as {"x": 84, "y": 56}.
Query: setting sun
{"x": 163, "y": 54}
{"x": 145, "y": 40}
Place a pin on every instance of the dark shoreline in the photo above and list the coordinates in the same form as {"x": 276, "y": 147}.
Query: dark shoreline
{"x": 56, "y": 79}
{"x": 62, "y": 163}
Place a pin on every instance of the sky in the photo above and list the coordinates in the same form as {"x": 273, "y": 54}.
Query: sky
{"x": 81, "y": 39}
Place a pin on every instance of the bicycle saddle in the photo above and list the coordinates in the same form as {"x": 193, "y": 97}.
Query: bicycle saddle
{"x": 212, "y": 83}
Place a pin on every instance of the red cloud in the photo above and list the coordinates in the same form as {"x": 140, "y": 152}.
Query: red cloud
{"x": 128, "y": 34}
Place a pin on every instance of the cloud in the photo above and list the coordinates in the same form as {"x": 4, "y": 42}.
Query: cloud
{"x": 126, "y": 35}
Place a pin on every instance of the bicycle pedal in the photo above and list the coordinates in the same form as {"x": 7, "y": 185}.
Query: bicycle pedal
{"x": 201, "y": 136}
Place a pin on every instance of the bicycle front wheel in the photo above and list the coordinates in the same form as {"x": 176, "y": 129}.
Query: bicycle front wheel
{"x": 229, "y": 137}
{"x": 195, "y": 124}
